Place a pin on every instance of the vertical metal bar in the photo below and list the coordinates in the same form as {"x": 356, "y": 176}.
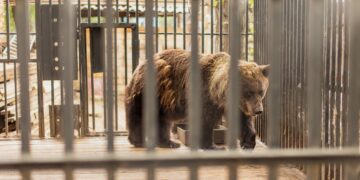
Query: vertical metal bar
{"x": 4, "y": 67}
{"x": 115, "y": 63}
{"x": 126, "y": 55}
{"x": 24, "y": 56}
{"x": 150, "y": 108}
{"x": 39, "y": 73}
{"x": 352, "y": 137}
{"x": 265, "y": 59}
{"x": 151, "y": 172}
{"x": 247, "y": 30}
{"x": 89, "y": 12}
{"x": 272, "y": 172}
{"x": 127, "y": 11}
{"x": 345, "y": 79}
{"x": 109, "y": 77}
{"x": 125, "y": 41}
{"x": 7, "y": 9}
{"x": 327, "y": 91}
{"x": 233, "y": 90}
{"x": 202, "y": 26}
{"x": 274, "y": 51}
{"x": 52, "y": 62}
{"x": 221, "y": 25}
{"x": 92, "y": 97}
{"x": 184, "y": 24}
{"x": 22, "y": 19}
{"x": 98, "y": 11}
{"x": 274, "y": 59}
{"x": 287, "y": 72}
{"x": 174, "y": 14}
{"x": 295, "y": 76}
{"x": 79, "y": 12}
{"x": 111, "y": 173}
{"x": 83, "y": 82}
{"x": 165, "y": 23}
{"x": 212, "y": 25}
{"x": 332, "y": 120}
{"x": 339, "y": 101}
{"x": 67, "y": 57}
{"x": 261, "y": 40}
{"x": 256, "y": 44}
{"x": 291, "y": 75}
{"x": 157, "y": 26}
{"x": 233, "y": 93}
{"x": 137, "y": 11}
{"x": 315, "y": 54}
{"x": 283, "y": 76}
{"x": 232, "y": 171}
{"x": 195, "y": 88}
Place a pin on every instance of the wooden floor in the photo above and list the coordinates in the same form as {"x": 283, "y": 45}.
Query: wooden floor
{"x": 93, "y": 146}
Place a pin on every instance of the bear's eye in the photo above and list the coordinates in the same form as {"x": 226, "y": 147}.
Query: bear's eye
{"x": 261, "y": 92}
{"x": 249, "y": 94}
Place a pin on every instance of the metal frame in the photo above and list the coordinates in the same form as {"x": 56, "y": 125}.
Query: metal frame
{"x": 84, "y": 76}
{"x": 280, "y": 47}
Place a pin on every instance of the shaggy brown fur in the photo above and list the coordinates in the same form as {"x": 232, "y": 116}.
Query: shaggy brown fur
{"x": 172, "y": 74}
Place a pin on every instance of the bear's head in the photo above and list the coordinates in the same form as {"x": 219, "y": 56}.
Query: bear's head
{"x": 254, "y": 84}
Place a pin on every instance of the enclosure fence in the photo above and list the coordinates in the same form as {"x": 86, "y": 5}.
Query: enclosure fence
{"x": 312, "y": 47}
{"x": 333, "y": 76}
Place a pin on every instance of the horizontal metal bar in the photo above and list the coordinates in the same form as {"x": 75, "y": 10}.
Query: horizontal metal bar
{"x": 17, "y": 60}
{"x": 171, "y": 159}
{"x": 207, "y": 34}
{"x": 114, "y": 25}
{"x": 14, "y": 33}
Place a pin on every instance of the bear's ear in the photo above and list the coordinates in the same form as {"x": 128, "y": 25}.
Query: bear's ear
{"x": 265, "y": 69}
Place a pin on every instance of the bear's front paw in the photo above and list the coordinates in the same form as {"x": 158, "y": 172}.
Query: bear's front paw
{"x": 169, "y": 144}
{"x": 213, "y": 147}
{"x": 248, "y": 145}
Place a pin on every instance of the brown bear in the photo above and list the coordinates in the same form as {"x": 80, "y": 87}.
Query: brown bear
{"x": 172, "y": 78}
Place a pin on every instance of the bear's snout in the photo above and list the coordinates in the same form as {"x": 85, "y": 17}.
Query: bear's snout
{"x": 259, "y": 109}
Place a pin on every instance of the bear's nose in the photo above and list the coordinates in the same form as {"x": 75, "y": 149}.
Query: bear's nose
{"x": 258, "y": 112}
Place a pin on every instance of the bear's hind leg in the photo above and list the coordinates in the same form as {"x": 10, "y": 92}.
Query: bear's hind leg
{"x": 136, "y": 136}
{"x": 134, "y": 122}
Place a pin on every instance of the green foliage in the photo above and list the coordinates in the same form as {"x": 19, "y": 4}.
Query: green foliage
{"x": 12, "y": 19}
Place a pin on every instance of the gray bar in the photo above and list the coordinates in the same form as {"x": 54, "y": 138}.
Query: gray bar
{"x": 194, "y": 172}
{"x": 109, "y": 77}
{"x": 352, "y": 136}
{"x": 24, "y": 55}
{"x": 315, "y": 19}
{"x": 150, "y": 100}
{"x": 274, "y": 50}
{"x": 354, "y": 85}
{"x": 233, "y": 92}
{"x": 272, "y": 170}
{"x": 206, "y": 158}
{"x": 22, "y": 28}
{"x": 315, "y": 40}
{"x": 39, "y": 73}
{"x": 274, "y": 45}
{"x": 232, "y": 168}
{"x": 67, "y": 52}
{"x": 151, "y": 172}
{"x": 195, "y": 88}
